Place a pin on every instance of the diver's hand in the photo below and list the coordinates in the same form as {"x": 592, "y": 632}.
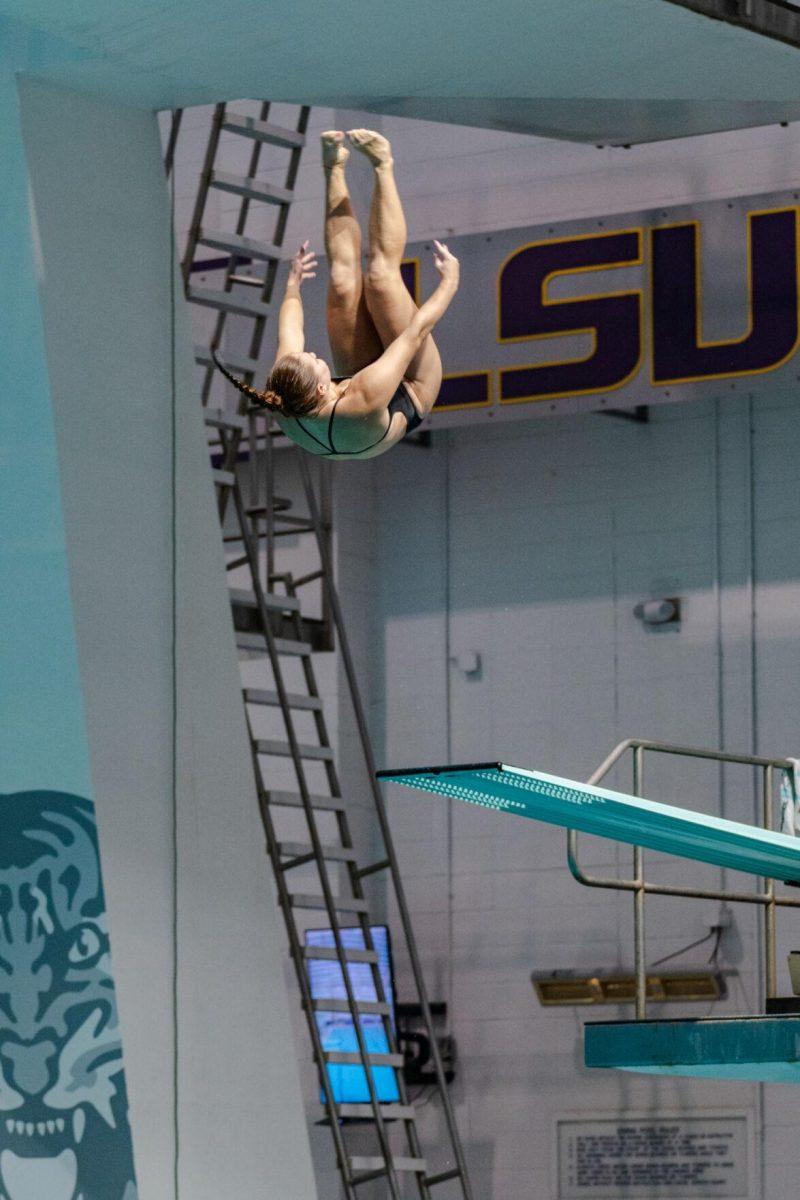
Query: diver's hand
{"x": 303, "y": 265}
{"x": 446, "y": 264}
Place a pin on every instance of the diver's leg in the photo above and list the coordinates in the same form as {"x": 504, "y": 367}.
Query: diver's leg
{"x": 354, "y": 340}
{"x": 388, "y": 299}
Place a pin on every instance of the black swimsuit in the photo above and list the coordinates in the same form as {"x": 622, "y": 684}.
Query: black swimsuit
{"x": 400, "y": 402}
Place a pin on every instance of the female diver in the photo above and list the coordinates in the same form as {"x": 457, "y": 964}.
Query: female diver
{"x": 388, "y": 370}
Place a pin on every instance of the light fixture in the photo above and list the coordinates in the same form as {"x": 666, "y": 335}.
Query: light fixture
{"x": 659, "y": 612}
{"x": 662, "y": 987}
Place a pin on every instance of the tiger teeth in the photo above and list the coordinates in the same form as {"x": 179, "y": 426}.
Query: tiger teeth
{"x": 41, "y": 1128}
{"x": 78, "y": 1124}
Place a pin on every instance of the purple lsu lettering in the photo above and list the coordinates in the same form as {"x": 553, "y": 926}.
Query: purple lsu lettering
{"x": 615, "y": 320}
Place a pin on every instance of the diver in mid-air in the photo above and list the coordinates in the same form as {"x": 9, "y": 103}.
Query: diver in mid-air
{"x": 388, "y": 369}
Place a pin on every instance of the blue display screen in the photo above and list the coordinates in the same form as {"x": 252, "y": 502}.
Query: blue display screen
{"x": 336, "y": 1029}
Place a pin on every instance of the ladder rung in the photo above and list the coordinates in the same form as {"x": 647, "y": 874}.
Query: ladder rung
{"x": 373, "y": 868}
{"x": 257, "y": 641}
{"x": 263, "y": 131}
{"x": 215, "y": 418}
{"x": 284, "y": 750}
{"x": 295, "y": 800}
{"x": 363, "y": 1006}
{"x": 247, "y": 599}
{"x": 292, "y": 646}
{"x": 351, "y": 954}
{"x": 247, "y": 280}
{"x": 331, "y": 853}
{"x": 247, "y": 306}
{"x": 390, "y": 1112}
{"x": 278, "y": 504}
{"x": 260, "y": 696}
{"x": 252, "y": 189}
{"x": 353, "y": 1058}
{"x": 442, "y": 1177}
{"x": 234, "y": 362}
{"x": 315, "y": 902}
{"x": 360, "y": 1162}
{"x": 238, "y": 244}
{"x": 224, "y": 478}
{"x": 259, "y": 510}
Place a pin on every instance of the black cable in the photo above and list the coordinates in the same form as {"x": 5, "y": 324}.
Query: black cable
{"x": 716, "y": 931}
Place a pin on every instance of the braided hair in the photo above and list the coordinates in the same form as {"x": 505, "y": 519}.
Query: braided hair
{"x": 290, "y": 387}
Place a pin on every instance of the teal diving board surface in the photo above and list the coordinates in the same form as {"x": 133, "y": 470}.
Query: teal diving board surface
{"x": 757, "y": 1049}
{"x": 609, "y": 814}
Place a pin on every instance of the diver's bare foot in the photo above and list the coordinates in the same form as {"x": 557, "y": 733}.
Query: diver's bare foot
{"x": 374, "y": 145}
{"x": 334, "y": 151}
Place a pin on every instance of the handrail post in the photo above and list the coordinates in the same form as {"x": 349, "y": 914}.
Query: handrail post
{"x": 770, "y": 961}
{"x": 640, "y": 957}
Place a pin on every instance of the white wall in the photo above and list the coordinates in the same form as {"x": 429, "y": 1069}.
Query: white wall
{"x": 199, "y": 966}
{"x": 531, "y": 544}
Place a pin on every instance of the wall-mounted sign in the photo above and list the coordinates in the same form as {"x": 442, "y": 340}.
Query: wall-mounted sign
{"x": 677, "y": 304}
{"x": 653, "y": 1157}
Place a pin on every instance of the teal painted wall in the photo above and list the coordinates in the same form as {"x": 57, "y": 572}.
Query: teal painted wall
{"x": 42, "y": 732}
{"x": 63, "y": 1099}
{"x": 198, "y": 957}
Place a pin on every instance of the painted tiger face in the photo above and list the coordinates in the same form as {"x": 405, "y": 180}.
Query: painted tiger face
{"x": 64, "y": 1132}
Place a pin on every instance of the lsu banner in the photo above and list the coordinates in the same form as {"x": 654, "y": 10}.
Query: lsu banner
{"x": 670, "y": 305}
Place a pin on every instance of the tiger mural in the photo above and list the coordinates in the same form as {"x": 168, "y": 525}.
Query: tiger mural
{"x": 64, "y": 1131}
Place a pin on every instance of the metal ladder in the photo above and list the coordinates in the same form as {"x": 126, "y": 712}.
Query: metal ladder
{"x": 270, "y": 624}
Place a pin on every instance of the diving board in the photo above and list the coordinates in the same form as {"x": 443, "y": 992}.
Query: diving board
{"x": 610, "y": 814}
{"x": 758, "y": 1049}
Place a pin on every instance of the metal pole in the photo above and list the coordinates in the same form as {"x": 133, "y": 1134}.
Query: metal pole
{"x": 640, "y": 958}
{"x": 769, "y": 909}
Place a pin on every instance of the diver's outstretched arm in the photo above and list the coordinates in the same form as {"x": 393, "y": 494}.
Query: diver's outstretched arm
{"x": 291, "y": 335}
{"x": 372, "y": 388}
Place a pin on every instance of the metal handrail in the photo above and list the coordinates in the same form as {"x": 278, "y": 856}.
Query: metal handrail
{"x": 765, "y": 895}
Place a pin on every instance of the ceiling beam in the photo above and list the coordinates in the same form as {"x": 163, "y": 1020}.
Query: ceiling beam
{"x": 772, "y": 18}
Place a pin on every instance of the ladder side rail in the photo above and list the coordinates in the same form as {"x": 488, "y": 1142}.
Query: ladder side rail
{"x": 289, "y": 183}
{"x": 355, "y": 880}
{"x": 357, "y": 890}
{"x": 202, "y": 191}
{"x": 269, "y": 502}
{"x": 330, "y": 902}
{"x": 259, "y": 323}
{"x": 270, "y": 275}
{"x": 245, "y": 202}
{"x": 230, "y": 269}
{"x": 296, "y": 952}
{"x": 393, "y": 866}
